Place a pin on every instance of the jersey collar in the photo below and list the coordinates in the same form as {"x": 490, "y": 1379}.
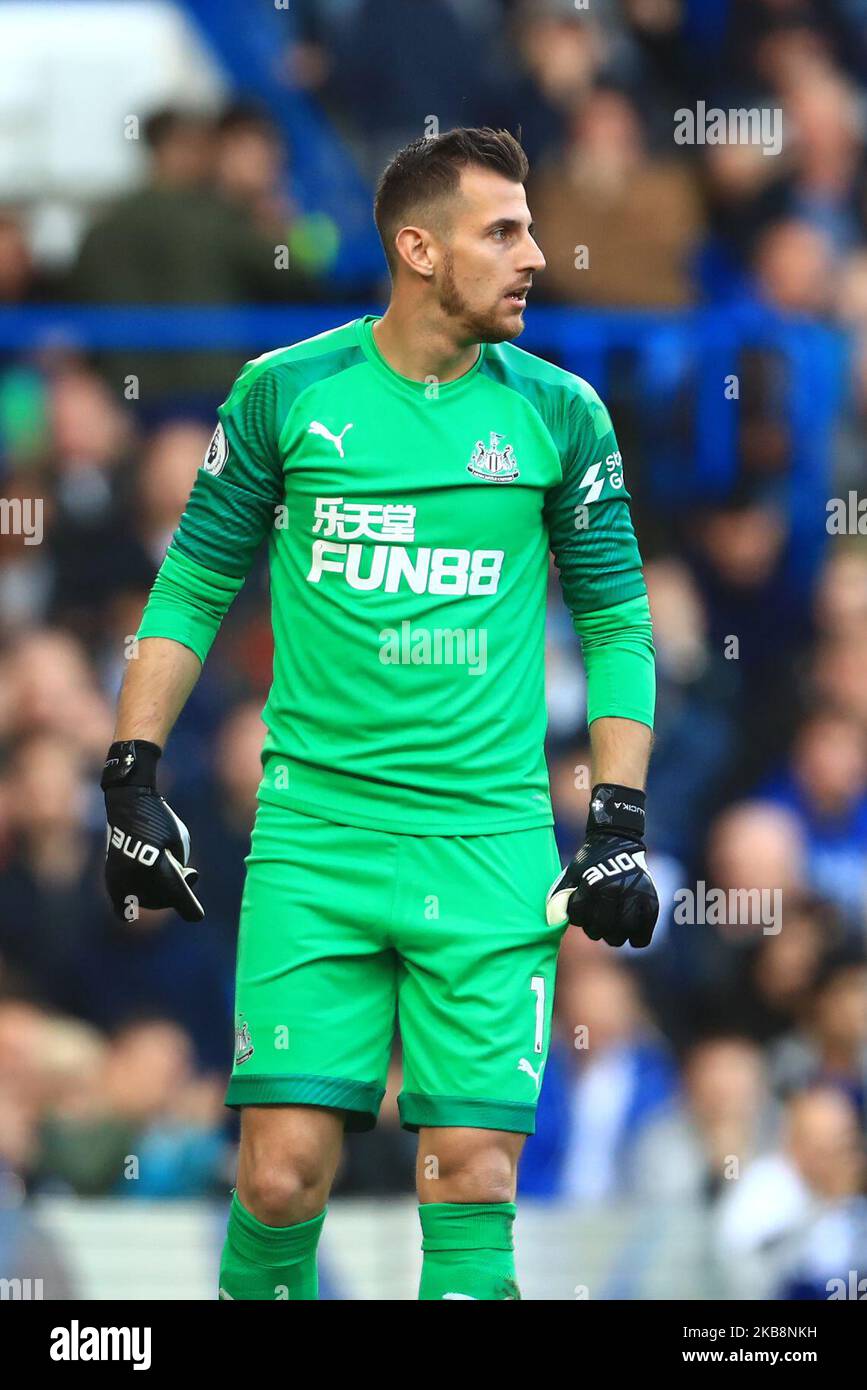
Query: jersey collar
{"x": 364, "y": 329}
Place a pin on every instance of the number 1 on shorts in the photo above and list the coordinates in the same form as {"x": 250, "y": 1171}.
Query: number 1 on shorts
{"x": 537, "y": 985}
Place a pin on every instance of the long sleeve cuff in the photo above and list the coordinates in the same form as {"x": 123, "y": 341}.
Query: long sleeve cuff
{"x": 617, "y": 644}
{"x": 188, "y": 602}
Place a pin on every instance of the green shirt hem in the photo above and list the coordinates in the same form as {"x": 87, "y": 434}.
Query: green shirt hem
{"x": 407, "y": 822}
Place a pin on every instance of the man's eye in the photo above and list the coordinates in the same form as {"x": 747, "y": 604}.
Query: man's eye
{"x": 499, "y": 232}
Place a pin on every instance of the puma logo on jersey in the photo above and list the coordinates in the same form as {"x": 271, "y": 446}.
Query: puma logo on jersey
{"x": 524, "y": 1066}
{"x": 316, "y": 427}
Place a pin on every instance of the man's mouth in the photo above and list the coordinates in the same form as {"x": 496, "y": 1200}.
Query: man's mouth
{"x": 518, "y": 296}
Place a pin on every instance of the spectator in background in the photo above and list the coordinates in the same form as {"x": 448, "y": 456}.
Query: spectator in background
{"x": 127, "y": 1116}
{"x": 24, "y": 279}
{"x": 219, "y": 808}
{"x": 708, "y": 1136}
{"x": 148, "y": 1127}
{"x": 837, "y": 666}
{"x": 444, "y": 72}
{"x": 249, "y": 164}
{"x": 552, "y": 56}
{"x": 841, "y": 594}
{"x": 147, "y": 966}
{"x": 565, "y": 684}
{"x": 694, "y": 730}
{"x": 530, "y": 66}
{"x": 26, "y": 570}
{"x": 850, "y": 306}
{"x": 49, "y": 687}
{"x": 90, "y": 480}
{"x": 570, "y": 767}
{"x": 66, "y": 1064}
{"x": 755, "y": 844}
{"x": 744, "y": 191}
{"x": 785, "y": 967}
{"x": 562, "y": 50}
{"x": 22, "y": 1033}
{"x": 738, "y": 551}
{"x": 17, "y": 271}
{"x": 27, "y": 1054}
{"x": 24, "y": 427}
{"x": 827, "y": 182}
{"x": 56, "y": 928}
{"x": 607, "y": 1074}
{"x": 794, "y": 267}
{"x": 169, "y": 461}
{"x": 155, "y": 245}
{"x": 750, "y": 846}
{"x": 173, "y": 455}
{"x": 639, "y": 218}
{"x": 49, "y": 882}
{"x": 825, "y": 786}
{"x": 795, "y": 1215}
{"x": 181, "y": 240}
{"x": 777, "y": 45}
{"x": 829, "y": 1047}
{"x": 768, "y": 205}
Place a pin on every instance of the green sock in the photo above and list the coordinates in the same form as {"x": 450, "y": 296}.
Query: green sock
{"x": 269, "y": 1262}
{"x": 468, "y": 1250}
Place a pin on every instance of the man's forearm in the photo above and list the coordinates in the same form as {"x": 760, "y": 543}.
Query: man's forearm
{"x": 621, "y": 751}
{"x": 156, "y": 687}
{"x": 607, "y": 889}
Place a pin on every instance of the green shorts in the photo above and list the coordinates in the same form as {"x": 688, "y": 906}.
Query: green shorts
{"x": 346, "y": 932}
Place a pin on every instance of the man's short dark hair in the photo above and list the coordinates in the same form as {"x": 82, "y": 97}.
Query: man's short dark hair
{"x": 428, "y": 171}
{"x": 167, "y": 121}
{"x": 246, "y": 116}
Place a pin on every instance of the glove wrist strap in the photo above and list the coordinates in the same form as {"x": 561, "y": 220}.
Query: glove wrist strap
{"x": 617, "y": 810}
{"x": 131, "y": 762}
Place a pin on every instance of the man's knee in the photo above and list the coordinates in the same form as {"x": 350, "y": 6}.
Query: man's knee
{"x": 286, "y": 1166}
{"x": 281, "y": 1193}
{"x": 468, "y": 1165}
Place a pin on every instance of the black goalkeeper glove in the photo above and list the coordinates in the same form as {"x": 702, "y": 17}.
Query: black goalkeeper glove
{"x": 148, "y": 849}
{"x": 606, "y": 890}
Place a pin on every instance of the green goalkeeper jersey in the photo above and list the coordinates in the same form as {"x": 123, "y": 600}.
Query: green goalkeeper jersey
{"x": 409, "y": 526}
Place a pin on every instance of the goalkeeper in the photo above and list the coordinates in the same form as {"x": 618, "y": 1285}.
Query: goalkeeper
{"x": 411, "y": 473}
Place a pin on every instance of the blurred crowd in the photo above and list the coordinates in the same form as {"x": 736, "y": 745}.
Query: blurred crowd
{"x": 725, "y": 1069}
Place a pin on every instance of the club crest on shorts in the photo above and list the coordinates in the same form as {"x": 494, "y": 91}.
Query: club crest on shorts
{"x": 216, "y": 453}
{"x": 243, "y": 1043}
{"x": 492, "y": 463}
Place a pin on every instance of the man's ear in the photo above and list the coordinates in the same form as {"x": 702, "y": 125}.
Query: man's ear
{"x": 414, "y": 249}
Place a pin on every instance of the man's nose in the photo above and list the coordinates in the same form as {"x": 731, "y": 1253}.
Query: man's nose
{"x": 534, "y": 260}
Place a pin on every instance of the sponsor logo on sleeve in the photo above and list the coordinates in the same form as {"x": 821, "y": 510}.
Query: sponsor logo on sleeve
{"x": 608, "y": 470}
{"x": 216, "y": 453}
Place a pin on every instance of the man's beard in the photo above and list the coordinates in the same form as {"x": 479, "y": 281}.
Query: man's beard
{"x": 479, "y": 327}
